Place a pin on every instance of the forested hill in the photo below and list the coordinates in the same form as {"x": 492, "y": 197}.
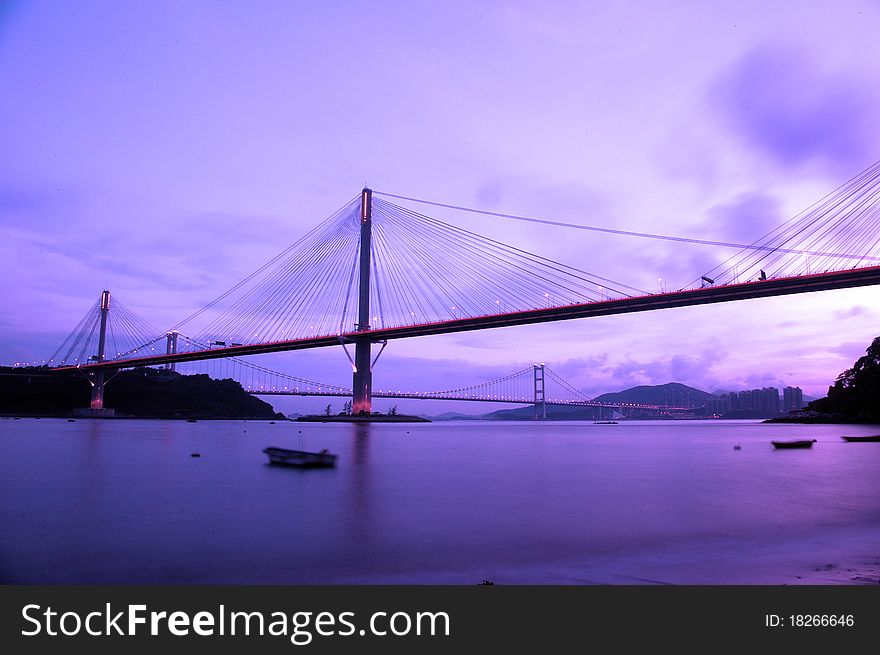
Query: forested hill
{"x": 671, "y": 393}
{"x": 139, "y": 393}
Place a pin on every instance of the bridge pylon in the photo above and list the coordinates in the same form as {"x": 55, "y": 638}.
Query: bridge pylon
{"x": 539, "y": 398}
{"x": 97, "y": 399}
{"x": 362, "y": 378}
{"x": 171, "y": 348}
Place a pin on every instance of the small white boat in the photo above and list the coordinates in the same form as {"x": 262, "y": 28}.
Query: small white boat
{"x": 300, "y": 458}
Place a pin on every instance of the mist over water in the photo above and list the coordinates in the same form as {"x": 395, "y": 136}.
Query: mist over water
{"x": 123, "y": 501}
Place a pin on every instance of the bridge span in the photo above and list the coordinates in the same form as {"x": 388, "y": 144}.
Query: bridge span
{"x": 374, "y": 272}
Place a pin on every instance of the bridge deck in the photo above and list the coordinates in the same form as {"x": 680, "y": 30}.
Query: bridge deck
{"x": 742, "y": 291}
{"x": 517, "y": 401}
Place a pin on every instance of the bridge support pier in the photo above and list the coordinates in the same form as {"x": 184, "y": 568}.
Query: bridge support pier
{"x": 97, "y": 401}
{"x": 362, "y": 379}
{"x": 540, "y": 400}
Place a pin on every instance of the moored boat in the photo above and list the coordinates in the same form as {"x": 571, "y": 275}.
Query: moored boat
{"x": 300, "y": 458}
{"x": 871, "y": 437}
{"x": 802, "y": 443}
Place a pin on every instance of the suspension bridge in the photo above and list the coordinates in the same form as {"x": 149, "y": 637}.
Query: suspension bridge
{"x": 375, "y": 271}
{"x": 536, "y": 385}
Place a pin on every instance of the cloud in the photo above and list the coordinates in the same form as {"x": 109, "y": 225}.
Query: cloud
{"x": 852, "y": 312}
{"x": 488, "y": 194}
{"x": 850, "y": 351}
{"x": 603, "y": 373}
{"x": 691, "y": 369}
{"x": 688, "y": 154}
{"x": 745, "y": 218}
{"x": 781, "y": 101}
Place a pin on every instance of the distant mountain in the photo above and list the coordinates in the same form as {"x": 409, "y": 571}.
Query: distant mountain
{"x": 555, "y": 412}
{"x": 671, "y": 393}
{"x": 451, "y": 416}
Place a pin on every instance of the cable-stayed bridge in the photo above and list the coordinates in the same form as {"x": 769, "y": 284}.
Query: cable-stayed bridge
{"x": 375, "y": 271}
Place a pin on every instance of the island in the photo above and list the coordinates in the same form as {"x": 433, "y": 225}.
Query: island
{"x": 348, "y": 416}
{"x": 363, "y": 418}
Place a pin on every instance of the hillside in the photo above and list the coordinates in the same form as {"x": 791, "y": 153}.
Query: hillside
{"x": 139, "y": 393}
{"x": 671, "y": 393}
{"x": 554, "y": 412}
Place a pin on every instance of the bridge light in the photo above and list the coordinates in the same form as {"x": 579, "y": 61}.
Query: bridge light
{"x": 707, "y": 280}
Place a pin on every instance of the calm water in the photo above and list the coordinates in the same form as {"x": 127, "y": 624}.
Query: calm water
{"x": 116, "y": 501}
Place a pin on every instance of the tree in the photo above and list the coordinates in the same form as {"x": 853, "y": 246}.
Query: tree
{"x": 392, "y": 411}
{"x": 346, "y": 408}
{"x": 856, "y": 392}
{"x": 327, "y": 410}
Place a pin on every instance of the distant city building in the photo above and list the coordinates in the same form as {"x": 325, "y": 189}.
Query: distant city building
{"x": 792, "y": 399}
{"x": 750, "y": 403}
{"x": 770, "y": 401}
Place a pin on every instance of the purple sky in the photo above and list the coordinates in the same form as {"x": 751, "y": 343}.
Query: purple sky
{"x": 165, "y": 150}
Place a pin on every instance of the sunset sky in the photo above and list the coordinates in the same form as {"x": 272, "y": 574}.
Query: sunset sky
{"x": 165, "y": 150}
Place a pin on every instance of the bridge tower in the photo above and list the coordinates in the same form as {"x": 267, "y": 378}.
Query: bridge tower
{"x": 539, "y": 398}
{"x": 170, "y": 347}
{"x": 97, "y": 401}
{"x": 362, "y": 382}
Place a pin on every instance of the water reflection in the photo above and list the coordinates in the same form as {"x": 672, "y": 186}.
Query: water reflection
{"x": 358, "y": 502}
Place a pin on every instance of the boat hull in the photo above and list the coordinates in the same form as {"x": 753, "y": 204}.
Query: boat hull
{"x": 300, "y": 458}
{"x": 873, "y": 437}
{"x": 806, "y": 443}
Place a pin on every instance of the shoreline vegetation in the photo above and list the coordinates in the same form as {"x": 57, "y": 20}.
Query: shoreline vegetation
{"x": 348, "y": 416}
{"x": 145, "y": 393}
{"x": 830, "y": 419}
{"x": 853, "y": 398}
